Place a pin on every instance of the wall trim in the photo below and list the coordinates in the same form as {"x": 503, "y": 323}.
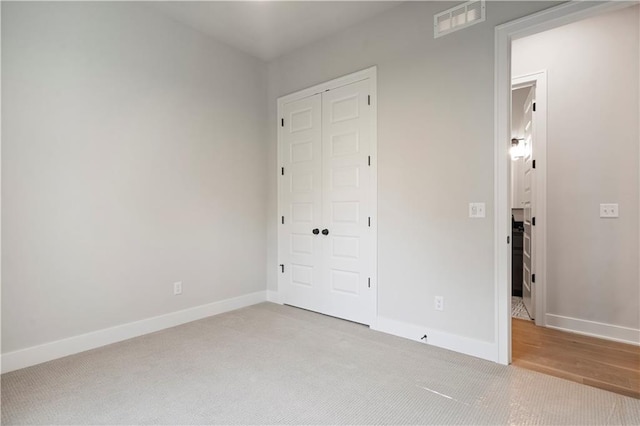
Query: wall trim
{"x": 60, "y": 348}
{"x": 594, "y": 329}
{"x": 274, "y": 297}
{"x": 367, "y": 73}
{"x": 465, "y": 345}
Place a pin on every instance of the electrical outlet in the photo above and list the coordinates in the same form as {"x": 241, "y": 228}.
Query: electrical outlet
{"x": 177, "y": 288}
{"x": 608, "y": 210}
{"x": 476, "y": 210}
{"x": 438, "y": 303}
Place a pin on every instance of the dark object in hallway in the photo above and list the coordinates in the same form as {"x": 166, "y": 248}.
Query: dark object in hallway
{"x": 516, "y": 258}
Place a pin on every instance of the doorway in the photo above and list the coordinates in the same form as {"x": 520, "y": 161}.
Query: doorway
{"x": 537, "y": 23}
{"x": 576, "y": 187}
{"x": 528, "y": 195}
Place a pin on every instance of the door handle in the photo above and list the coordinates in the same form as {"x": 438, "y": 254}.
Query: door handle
{"x": 316, "y": 231}
{"x": 325, "y": 232}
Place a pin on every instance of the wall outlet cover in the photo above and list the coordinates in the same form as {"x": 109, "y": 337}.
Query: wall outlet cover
{"x": 438, "y": 303}
{"x": 476, "y": 210}
{"x": 609, "y": 210}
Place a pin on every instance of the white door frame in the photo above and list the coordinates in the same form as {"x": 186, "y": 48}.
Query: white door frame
{"x": 542, "y": 21}
{"x": 539, "y": 266}
{"x": 371, "y": 74}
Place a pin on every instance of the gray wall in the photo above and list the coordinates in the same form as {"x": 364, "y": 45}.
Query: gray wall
{"x": 435, "y": 155}
{"x": 592, "y": 158}
{"x": 133, "y": 156}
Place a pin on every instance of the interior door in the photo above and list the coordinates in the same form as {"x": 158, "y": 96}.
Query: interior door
{"x": 346, "y": 137}
{"x": 528, "y": 289}
{"x": 300, "y": 204}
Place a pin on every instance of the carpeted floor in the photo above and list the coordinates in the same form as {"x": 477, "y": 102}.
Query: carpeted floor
{"x": 270, "y": 364}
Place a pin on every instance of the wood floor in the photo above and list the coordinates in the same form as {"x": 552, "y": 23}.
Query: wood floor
{"x": 595, "y": 362}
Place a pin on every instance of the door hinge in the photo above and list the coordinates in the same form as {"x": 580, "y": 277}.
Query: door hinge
{"x": 369, "y": 220}
{"x": 368, "y": 99}
{"x": 508, "y": 239}
{"x": 283, "y": 220}
{"x": 369, "y": 160}
{"x": 282, "y": 268}
{"x": 282, "y": 122}
{"x": 534, "y": 107}
{"x": 533, "y": 221}
{"x": 369, "y": 282}
{"x": 533, "y": 278}
{"x": 282, "y": 171}
{"x": 534, "y": 164}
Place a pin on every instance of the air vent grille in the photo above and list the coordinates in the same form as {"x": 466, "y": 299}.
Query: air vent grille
{"x": 459, "y": 17}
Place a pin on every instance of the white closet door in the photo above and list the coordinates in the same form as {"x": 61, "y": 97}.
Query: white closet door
{"x": 300, "y": 204}
{"x": 346, "y": 140}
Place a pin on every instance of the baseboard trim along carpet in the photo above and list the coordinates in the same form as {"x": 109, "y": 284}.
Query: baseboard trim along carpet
{"x": 49, "y": 351}
{"x": 274, "y": 297}
{"x": 465, "y": 345}
{"x": 594, "y": 329}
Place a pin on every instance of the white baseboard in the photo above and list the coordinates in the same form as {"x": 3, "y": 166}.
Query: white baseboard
{"x": 594, "y": 329}
{"x": 274, "y": 296}
{"x": 465, "y": 345}
{"x": 49, "y": 351}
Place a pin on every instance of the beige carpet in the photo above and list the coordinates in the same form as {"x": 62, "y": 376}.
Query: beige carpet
{"x": 272, "y": 364}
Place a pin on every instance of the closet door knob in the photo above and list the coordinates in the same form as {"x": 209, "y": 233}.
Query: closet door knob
{"x": 316, "y": 231}
{"x": 325, "y": 232}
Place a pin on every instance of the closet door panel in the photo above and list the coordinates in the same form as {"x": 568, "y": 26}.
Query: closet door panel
{"x": 301, "y": 198}
{"x": 346, "y": 136}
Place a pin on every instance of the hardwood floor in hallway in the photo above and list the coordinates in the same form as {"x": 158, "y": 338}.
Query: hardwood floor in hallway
{"x": 595, "y": 362}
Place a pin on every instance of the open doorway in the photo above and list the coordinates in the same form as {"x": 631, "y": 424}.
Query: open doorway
{"x": 528, "y": 195}
{"x": 564, "y": 197}
{"x": 522, "y": 106}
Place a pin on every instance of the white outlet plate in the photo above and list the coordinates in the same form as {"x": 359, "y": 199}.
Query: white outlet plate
{"x": 177, "y": 288}
{"x": 609, "y": 210}
{"x": 438, "y": 303}
{"x": 476, "y": 210}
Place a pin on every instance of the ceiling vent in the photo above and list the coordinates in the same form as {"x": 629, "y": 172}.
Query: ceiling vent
{"x": 459, "y": 17}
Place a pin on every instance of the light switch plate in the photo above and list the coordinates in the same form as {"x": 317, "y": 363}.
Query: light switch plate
{"x": 609, "y": 210}
{"x": 476, "y": 210}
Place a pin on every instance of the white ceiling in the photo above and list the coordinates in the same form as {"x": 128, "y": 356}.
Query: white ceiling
{"x": 268, "y": 29}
